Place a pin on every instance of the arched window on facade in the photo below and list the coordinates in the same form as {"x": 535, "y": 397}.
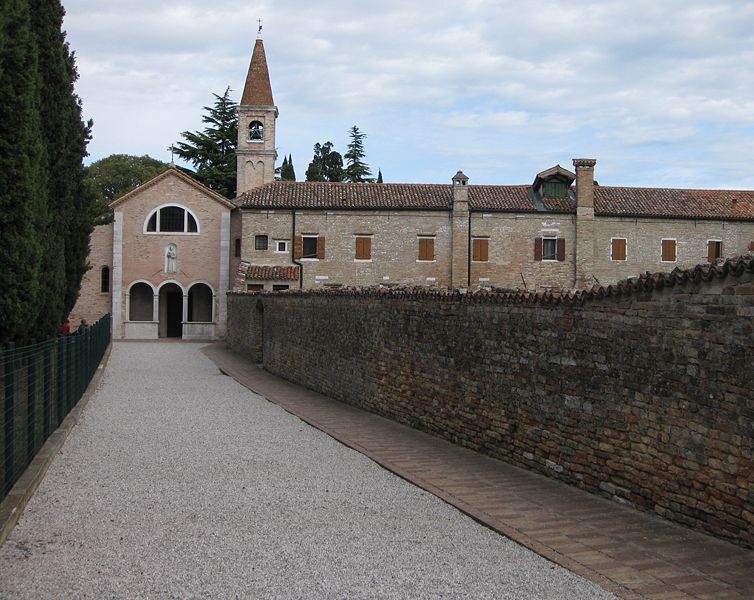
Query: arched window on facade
{"x": 256, "y": 131}
{"x": 141, "y": 302}
{"x": 171, "y": 219}
{"x": 104, "y": 285}
{"x": 200, "y": 303}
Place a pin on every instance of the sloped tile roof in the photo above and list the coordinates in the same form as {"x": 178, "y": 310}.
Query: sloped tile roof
{"x": 609, "y": 201}
{"x": 272, "y": 273}
{"x": 316, "y": 194}
{"x": 674, "y": 203}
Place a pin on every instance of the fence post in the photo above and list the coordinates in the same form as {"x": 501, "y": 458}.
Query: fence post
{"x": 47, "y": 388}
{"x": 31, "y": 393}
{"x": 8, "y": 368}
{"x": 60, "y": 401}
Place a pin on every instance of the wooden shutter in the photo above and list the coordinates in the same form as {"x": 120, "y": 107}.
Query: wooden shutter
{"x": 363, "y": 248}
{"x": 480, "y": 250}
{"x": 751, "y": 246}
{"x": 561, "y": 249}
{"x": 711, "y": 251}
{"x": 618, "y": 250}
{"x": 538, "y": 249}
{"x": 298, "y": 247}
{"x": 321, "y": 248}
{"x": 668, "y": 250}
{"x": 426, "y": 249}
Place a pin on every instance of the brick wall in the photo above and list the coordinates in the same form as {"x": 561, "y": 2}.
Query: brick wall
{"x": 92, "y": 303}
{"x": 644, "y": 395}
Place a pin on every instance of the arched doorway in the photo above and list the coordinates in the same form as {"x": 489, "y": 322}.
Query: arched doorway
{"x": 171, "y": 311}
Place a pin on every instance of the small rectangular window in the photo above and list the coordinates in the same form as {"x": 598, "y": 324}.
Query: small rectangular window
{"x": 281, "y": 246}
{"x": 549, "y": 248}
{"x": 237, "y": 248}
{"x": 254, "y": 287}
{"x": 260, "y": 242}
{"x": 309, "y": 246}
{"x": 105, "y": 280}
{"x": 280, "y": 287}
{"x": 480, "y": 249}
{"x": 714, "y": 250}
{"x": 618, "y": 249}
{"x": 668, "y": 248}
{"x": 363, "y": 248}
{"x": 426, "y": 248}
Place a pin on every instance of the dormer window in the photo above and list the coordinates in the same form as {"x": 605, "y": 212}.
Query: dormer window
{"x": 554, "y": 189}
{"x": 171, "y": 219}
{"x": 256, "y": 131}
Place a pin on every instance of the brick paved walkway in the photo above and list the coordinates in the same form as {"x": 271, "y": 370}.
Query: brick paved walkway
{"x": 632, "y": 554}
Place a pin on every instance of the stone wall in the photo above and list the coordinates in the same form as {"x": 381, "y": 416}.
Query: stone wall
{"x": 642, "y": 392}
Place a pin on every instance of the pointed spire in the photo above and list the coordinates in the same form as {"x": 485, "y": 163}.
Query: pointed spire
{"x": 257, "y": 90}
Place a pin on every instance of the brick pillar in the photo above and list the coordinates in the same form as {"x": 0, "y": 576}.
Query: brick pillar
{"x": 585, "y": 242}
{"x": 459, "y": 263}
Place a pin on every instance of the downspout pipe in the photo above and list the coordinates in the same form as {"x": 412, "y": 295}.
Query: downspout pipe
{"x": 468, "y": 256}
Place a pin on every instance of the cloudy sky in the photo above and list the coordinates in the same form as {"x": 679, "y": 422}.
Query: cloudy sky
{"x": 661, "y": 93}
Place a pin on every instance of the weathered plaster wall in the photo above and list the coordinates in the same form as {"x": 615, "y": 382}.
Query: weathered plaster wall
{"x": 645, "y": 396}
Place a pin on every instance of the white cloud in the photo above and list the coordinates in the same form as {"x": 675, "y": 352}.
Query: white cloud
{"x": 501, "y": 90}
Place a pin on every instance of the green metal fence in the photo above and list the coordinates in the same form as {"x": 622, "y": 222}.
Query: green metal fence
{"x": 41, "y": 383}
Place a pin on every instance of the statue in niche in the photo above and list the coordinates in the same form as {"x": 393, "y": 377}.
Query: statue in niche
{"x": 171, "y": 259}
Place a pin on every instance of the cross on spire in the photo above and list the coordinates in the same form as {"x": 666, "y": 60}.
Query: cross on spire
{"x": 259, "y": 31}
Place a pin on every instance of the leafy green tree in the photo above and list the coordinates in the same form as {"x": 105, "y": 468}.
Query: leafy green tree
{"x": 286, "y": 171}
{"x": 212, "y": 151}
{"x": 21, "y": 176}
{"x": 117, "y": 174}
{"x": 379, "y": 176}
{"x": 326, "y": 165}
{"x": 356, "y": 171}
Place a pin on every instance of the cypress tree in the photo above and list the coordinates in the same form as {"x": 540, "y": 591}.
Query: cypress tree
{"x": 379, "y": 175}
{"x": 21, "y": 177}
{"x": 286, "y": 171}
{"x": 290, "y": 166}
{"x": 67, "y": 219}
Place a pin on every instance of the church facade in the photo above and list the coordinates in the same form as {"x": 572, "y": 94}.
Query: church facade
{"x": 175, "y": 248}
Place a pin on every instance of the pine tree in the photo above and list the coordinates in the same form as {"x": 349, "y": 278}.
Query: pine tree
{"x": 212, "y": 151}
{"x": 379, "y": 176}
{"x": 356, "y": 171}
{"x": 326, "y": 165}
{"x": 22, "y": 162}
{"x": 286, "y": 171}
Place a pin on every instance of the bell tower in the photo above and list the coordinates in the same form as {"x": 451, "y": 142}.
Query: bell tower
{"x": 257, "y": 112}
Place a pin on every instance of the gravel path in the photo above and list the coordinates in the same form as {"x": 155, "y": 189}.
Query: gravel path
{"x": 180, "y": 483}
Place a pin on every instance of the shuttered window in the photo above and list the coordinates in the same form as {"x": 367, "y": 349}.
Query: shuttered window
{"x": 363, "y": 248}
{"x": 480, "y": 249}
{"x": 618, "y": 249}
{"x": 549, "y": 248}
{"x": 668, "y": 251}
{"x": 714, "y": 250}
{"x": 426, "y": 248}
{"x": 309, "y": 246}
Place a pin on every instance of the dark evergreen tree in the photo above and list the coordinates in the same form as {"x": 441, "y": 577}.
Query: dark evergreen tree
{"x": 326, "y": 165}
{"x": 117, "y": 174}
{"x": 286, "y": 172}
{"x": 379, "y": 176}
{"x": 22, "y": 163}
{"x": 69, "y": 218}
{"x": 356, "y": 171}
{"x": 212, "y": 151}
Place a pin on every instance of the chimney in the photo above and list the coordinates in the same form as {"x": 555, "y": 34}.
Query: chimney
{"x": 584, "y": 182}
{"x": 460, "y": 263}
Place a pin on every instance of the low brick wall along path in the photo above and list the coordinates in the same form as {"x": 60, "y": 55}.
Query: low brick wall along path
{"x": 631, "y": 553}
{"x": 180, "y": 483}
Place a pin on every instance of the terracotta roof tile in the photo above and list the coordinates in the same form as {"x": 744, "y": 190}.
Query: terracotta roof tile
{"x": 609, "y": 201}
{"x": 674, "y": 203}
{"x": 272, "y": 273}
{"x": 257, "y": 90}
